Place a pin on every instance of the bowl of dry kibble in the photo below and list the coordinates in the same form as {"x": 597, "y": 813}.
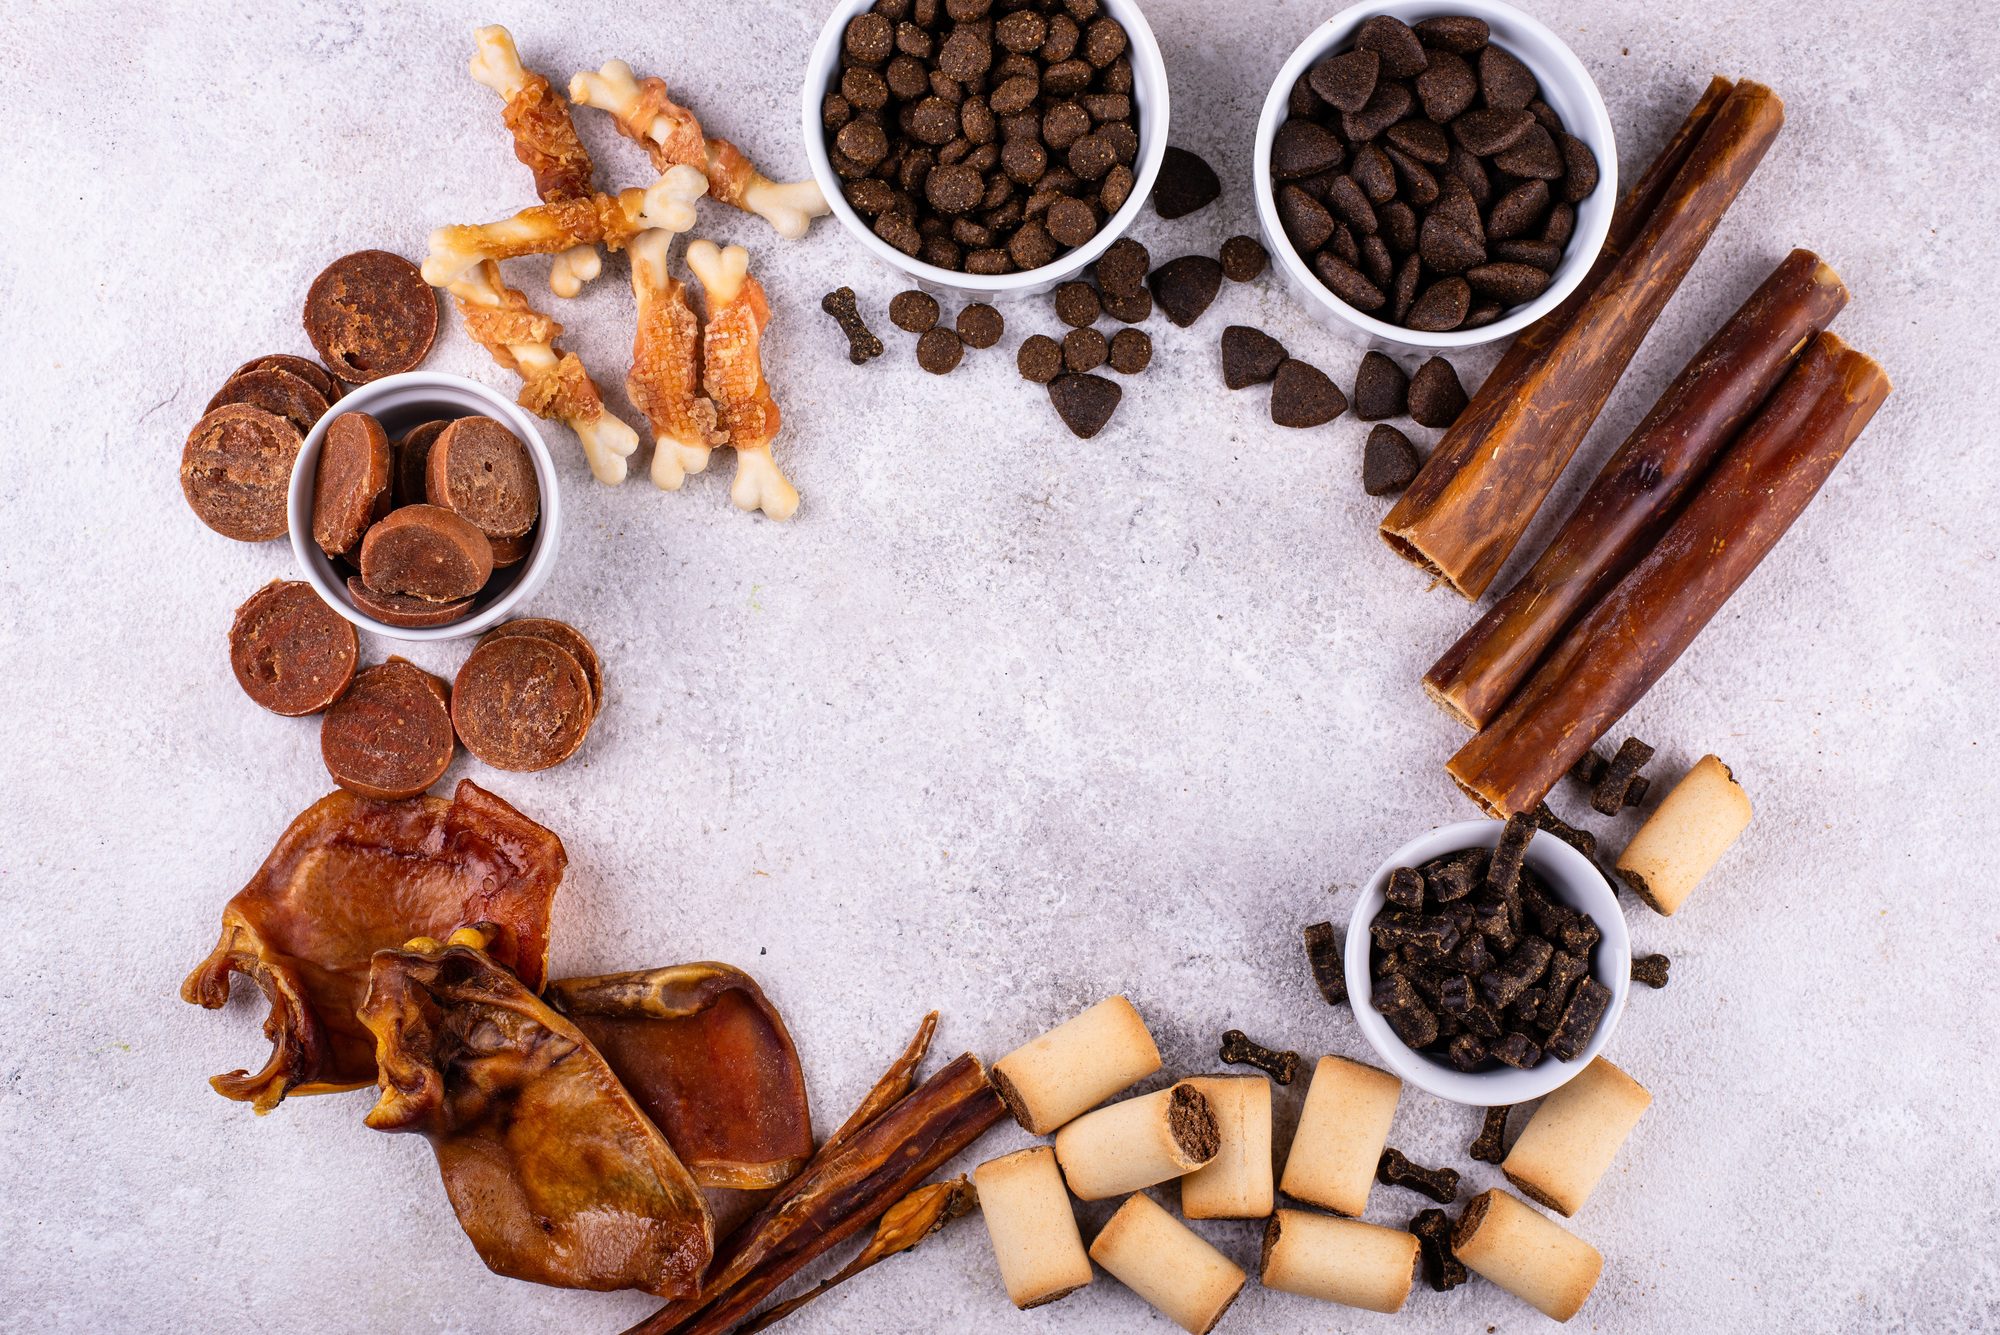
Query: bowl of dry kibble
{"x": 986, "y": 151}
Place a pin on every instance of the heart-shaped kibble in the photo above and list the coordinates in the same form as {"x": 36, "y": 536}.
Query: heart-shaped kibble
{"x": 1249, "y": 356}
{"x": 1303, "y": 148}
{"x": 1346, "y": 81}
{"x": 1302, "y": 395}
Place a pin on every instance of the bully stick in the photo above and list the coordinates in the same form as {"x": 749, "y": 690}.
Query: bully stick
{"x": 1636, "y": 493}
{"x": 1634, "y": 634}
{"x": 1480, "y": 488}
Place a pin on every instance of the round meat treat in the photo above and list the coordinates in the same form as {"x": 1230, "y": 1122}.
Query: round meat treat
{"x": 521, "y": 703}
{"x": 412, "y": 460}
{"x": 426, "y": 551}
{"x": 563, "y": 636}
{"x": 394, "y": 609}
{"x": 390, "y": 736}
{"x": 351, "y": 483}
{"x": 371, "y": 314}
{"x": 480, "y": 471}
{"x": 236, "y": 468}
{"x": 280, "y": 392}
{"x": 311, "y": 372}
{"x": 939, "y": 351}
{"x": 512, "y": 551}
{"x": 913, "y": 310}
{"x": 1040, "y": 358}
{"x": 291, "y": 653}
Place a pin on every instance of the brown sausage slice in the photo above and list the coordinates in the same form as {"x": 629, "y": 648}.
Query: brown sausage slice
{"x": 351, "y": 486}
{"x": 413, "y": 453}
{"x": 390, "y": 736}
{"x": 311, "y": 372}
{"x": 521, "y": 703}
{"x": 481, "y": 471}
{"x": 426, "y": 551}
{"x": 236, "y": 468}
{"x": 512, "y": 551}
{"x": 291, "y": 653}
{"x": 280, "y": 392}
{"x": 371, "y": 314}
{"x": 563, "y": 636}
{"x": 394, "y": 609}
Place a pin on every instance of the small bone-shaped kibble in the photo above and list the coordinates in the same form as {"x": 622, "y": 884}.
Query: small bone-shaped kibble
{"x": 862, "y": 345}
{"x": 1238, "y": 1050}
{"x": 1651, "y": 970}
{"x": 1486, "y": 1146}
{"x": 1396, "y": 1170}
{"x": 1433, "y": 1231}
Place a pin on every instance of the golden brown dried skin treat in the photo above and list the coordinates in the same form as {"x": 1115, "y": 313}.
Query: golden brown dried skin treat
{"x": 521, "y": 703}
{"x": 555, "y": 1174}
{"x": 733, "y": 375}
{"x": 390, "y": 735}
{"x": 236, "y": 469}
{"x": 665, "y": 382}
{"x": 291, "y": 653}
{"x": 351, "y": 482}
{"x": 545, "y": 141}
{"x": 351, "y": 876}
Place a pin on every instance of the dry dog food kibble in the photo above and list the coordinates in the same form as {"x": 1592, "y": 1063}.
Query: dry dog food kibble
{"x": 390, "y": 736}
{"x": 862, "y": 345}
{"x": 371, "y": 314}
{"x": 351, "y": 483}
{"x": 1249, "y": 356}
{"x": 1185, "y": 184}
{"x": 939, "y": 351}
{"x": 1084, "y": 350}
{"x": 481, "y": 472}
{"x": 426, "y": 551}
{"x": 1389, "y": 461}
{"x": 1302, "y": 395}
{"x": 1077, "y": 305}
{"x": 980, "y": 326}
{"x": 236, "y": 468}
{"x": 1133, "y": 307}
{"x": 1435, "y": 397}
{"x": 1084, "y": 402}
{"x": 291, "y": 653}
{"x": 1131, "y": 351}
{"x": 1184, "y": 287}
{"x": 1243, "y": 258}
{"x": 1123, "y": 267}
{"x": 914, "y": 311}
{"x": 521, "y": 702}
{"x": 1381, "y": 390}
{"x": 1040, "y": 358}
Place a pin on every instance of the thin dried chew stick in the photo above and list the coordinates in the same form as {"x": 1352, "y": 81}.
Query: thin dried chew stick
{"x": 555, "y": 385}
{"x": 1574, "y": 1135}
{"x": 1165, "y": 1262}
{"x": 732, "y": 372}
{"x": 665, "y": 382}
{"x": 1032, "y": 1227}
{"x": 1636, "y": 632}
{"x": 1236, "y": 1183}
{"x": 1342, "y": 1129}
{"x": 1481, "y": 487}
{"x": 1640, "y": 486}
{"x": 670, "y": 133}
{"x": 1528, "y": 1254}
{"x": 544, "y": 140}
{"x": 544, "y": 229}
{"x": 1339, "y": 1260}
{"x": 1685, "y": 837}
{"x": 1137, "y": 1143}
{"x": 1076, "y": 1065}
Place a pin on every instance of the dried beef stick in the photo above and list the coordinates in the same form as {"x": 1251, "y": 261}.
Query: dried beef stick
{"x": 1615, "y": 654}
{"x": 1640, "y": 487}
{"x": 1482, "y": 485}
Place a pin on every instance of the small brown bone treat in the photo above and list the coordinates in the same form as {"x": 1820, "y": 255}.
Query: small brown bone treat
{"x": 1516, "y": 1050}
{"x": 1123, "y": 267}
{"x": 1396, "y": 1170}
{"x": 1432, "y": 1228}
{"x": 1239, "y": 1050}
{"x": 1131, "y": 351}
{"x": 410, "y": 458}
{"x": 1565, "y": 970}
{"x": 370, "y": 314}
{"x": 940, "y": 350}
{"x": 862, "y": 345}
{"x": 395, "y": 609}
{"x": 481, "y": 472}
{"x": 291, "y": 653}
{"x": 390, "y": 735}
{"x": 1522, "y": 968}
{"x": 1184, "y": 287}
{"x": 1243, "y": 258}
{"x": 1588, "y": 769}
{"x": 1487, "y": 1147}
{"x": 521, "y": 703}
{"x": 914, "y": 311}
{"x": 545, "y": 141}
{"x": 1583, "y": 841}
{"x": 1406, "y": 889}
{"x": 1324, "y": 955}
{"x": 564, "y": 636}
{"x": 1380, "y": 388}
{"x": 1084, "y": 350}
{"x": 426, "y": 551}
{"x": 276, "y": 391}
{"x": 1436, "y": 398}
{"x": 1396, "y": 998}
{"x": 1302, "y": 395}
{"x": 1077, "y": 305}
{"x": 980, "y": 325}
{"x": 1613, "y": 791}
{"x": 1185, "y": 184}
{"x": 1388, "y": 461}
{"x": 1651, "y": 970}
{"x": 309, "y": 371}
{"x": 351, "y": 485}
{"x": 1084, "y": 402}
{"x": 1040, "y": 358}
{"x": 1249, "y": 356}
{"x": 236, "y": 469}
{"x": 733, "y": 374}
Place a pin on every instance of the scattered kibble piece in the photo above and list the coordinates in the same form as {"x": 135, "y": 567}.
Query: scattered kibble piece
{"x": 1243, "y": 258}
{"x": 1084, "y": 350}
{"x": 939, "y": 351}
{"x": 1131, "y": 351}
{"x": 1388, "y": 462}
{"x": 1381, "y": 390}
{"x": 1185, "y": 287}
{"x": 1302, "y": 395}
{"x": 1077, "y": 305}
{"x": 1436, "y": 398}
{"x": 914, "y": 311}
{"x": 1441, "y": 1265}
{"x": 1185, "y": 183}
{"x": 1249, "y": 356}
{"x": 1613, "y": 792}
{"x": 1123, "y": 267}
{"x": 980, "y": 325}
{"x": 1651, "y": 970}
{"x": 1084, "y": 402}
{"x": 862, "y": 345}
{"x": 1323, "y": 953}
{"x": 1040, "y": 358}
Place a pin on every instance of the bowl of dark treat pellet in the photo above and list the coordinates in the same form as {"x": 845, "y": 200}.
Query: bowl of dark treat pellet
{"x": 1434, "y": 174}
{"x": 424, "y": 507}
{"x": 986, "y": 149}
{"x": 1487, "y": 964}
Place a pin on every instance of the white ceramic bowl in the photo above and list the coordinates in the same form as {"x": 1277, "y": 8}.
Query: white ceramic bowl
{"x": 1571, "y": 878}
{"x": 1566, "y": 86}
{"x": 1149, "y": 99}
{"x": 400, "y": 402}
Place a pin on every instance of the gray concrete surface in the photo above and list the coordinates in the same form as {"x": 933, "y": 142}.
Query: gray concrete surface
{"x": 1003, "y": 721}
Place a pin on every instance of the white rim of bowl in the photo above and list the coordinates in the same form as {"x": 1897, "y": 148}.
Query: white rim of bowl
{"x": 1154, "y": 121}
{"x": 1584, "y": 247}
{"x": 317, "y": 570}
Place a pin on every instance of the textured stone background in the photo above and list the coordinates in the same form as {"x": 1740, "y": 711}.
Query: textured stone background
{"x": 1003, "y": 721}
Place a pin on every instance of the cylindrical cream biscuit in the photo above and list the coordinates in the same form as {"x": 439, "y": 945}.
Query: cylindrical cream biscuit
{"x": 1137, "y": 1143}
{"x": 1342, "y": 1129}
{"x": 1033, "y": 1229}
{"x": 1339, "y": 1260}
{"x": 1526, "y": 1253}
{"x": 1076, "y": 1065}
{"x": 1574, "y": 1135}
{"x": 1165, "y": 1262}
{"x": 1686, "y": 835}
{"x": 1236, "y": 1183}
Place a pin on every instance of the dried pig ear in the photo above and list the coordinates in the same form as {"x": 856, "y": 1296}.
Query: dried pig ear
{"x": 352, "y": 876}
{"x": 555, "y": 1174}
{"x": 707, "y": 1056}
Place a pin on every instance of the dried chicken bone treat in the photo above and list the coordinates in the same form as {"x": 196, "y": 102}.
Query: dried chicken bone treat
{"x": 236, "y": 469}
{"x": 351, "y": 876}
{"x": 1338, "y": 1260}
{"x": 1323, "y": 954}
{"x": 309, "y": 371}
{"x": 555, "y": 1173}
{"x": 370, "y": 314}
{"x": 1343, "y": 1129}
{"x": 1238, "y": 1050}
{"x": 544, "y": 229}
{"x": 521, "y": 703}
{"x": 862, "y": 344}
{"x": 291, "y": 653}
{"x": 1237, "y": 1183}
{"x": 566, "y": 637}
{"x": 733, "y": 374}
{"x": 410, "y": 458}
{"x": 277, "y": 391}
{"x": 545, "y": 141}
{"x": 1396, "y": 1170}
{"x": 352, "y": 484}
{"x": 1168, "y": 1264}
{"x": 1032, "y": 1227}
{"x": 481, "y": 472}
{"x": 1528, "y": 1254}
{"x": 389, "y": 736}
{"x": 665, "y": 380}
{"x": 1075, "y": 1066}
{"x": 426, "y": 551}
{"x": 400, "y": 610}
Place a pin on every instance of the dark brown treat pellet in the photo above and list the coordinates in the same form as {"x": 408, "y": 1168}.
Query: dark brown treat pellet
{"x": 1573, "y": 1032}
{"x": 1031, "y": 246}
{"x": 1131, "y": 351}
{"x": 1388, "y": 462}
{"x": 1442, "y": 1268}
{"x": 865, "y": 89}
{"x": 1249, "y": 356}
{"x": 1635, "y": 794}
{"x": 1403, "y": 293}
{"x": 1390, "y": 38}
{"x": 1534, "y": 154}
{"x": 965, "y": 55}
{"x": 1063, "y": 124}
{"x": 1479, "y": 313}
{"x": 1651, "y": 970}
{"x": 1447, "y": 87}
{"x": 1405, "y": 889}
{"x": 1490, "y": 131}
{"x": 870, "y": 196}
{"x": 371, "y": 314}
{"x": 1243, "y": 258}
{"x": 1323, "y": 954}
{"x": 1583, "y": 841}
{"x": 290, "y": 652}
{"x": 1084, "y": 350}
{"x": 1412, "y": 1021}
{"x": 1350, "y": 203}
{"x": 1448, "y": 248}
{"x": 1077, "y": 305}
{"x": 1345, "y": 82}
{"x": 1103, "y": 42}
{"x": 1347, "y": 282}
{"x": 1380, "y": 388}
{"x": 869, "y": 38}
{"x": 862, "y": 141}
{"x": 1123, "y": 266}
{"x": 1471, "y": 173}
{"x": 1071, "y": 221}
{"x": 1508, "y": 283}
{"x": 1023, "y": 30}
{"x": 390, "y": 736}
{"x": 1373, "y": 172}
{"x": 1391, "y": 102}
{"x": 1542, "y": 255}
{"x": 1084, "y": 402}
{"x": 846, "y": 312}
{"x": 1015, "y": 95}
{"x": 1608, "y": 797}
{"x": 980, "y": 325}
{"x": 913, "y": 40}
{"x": 1303, "y": 148}
{"x": 1579, "y": 167}
{"x": 1440, "y": 306}
{"x": 1488, "y": 1146}
{"x": 899, "y": 232}
{"x": 907, "y": 78}
{"x": 1184, "y": 287}
{"x": 1116, "y": 188}
{"x": 1435, "y": 396}
{"x": 1306, "y": 221}
{"x": 953, "y": 188}
{"x": 1588, "y": 769}
{"x": 1039, "y": 359}
{"x": 1091, "y": 156}
{"x": 1456, "y": 33}
{"x": 1134, "y": 307}
{"x": 1302, "y": 395}
{"x": 913, "y": 310}
{"x": 1396, "y": 1170}
{"x": 939, "y": 351}
{"x": 1504, "y": 82}
{"x": 1418, "y": 184}
{"x": 1186, "y": 183}
{"x": 275, "y": 390}
{"x": 1516, "y": 1050}
{"x": 1239, "y": 1050}
{"x": 1422, "y": 141}
{"x": 1377, "y": 262}
{"x": 1024, "y": 160}
{"x": 1503, "y": 870}
{"x": 1518, "y": 211}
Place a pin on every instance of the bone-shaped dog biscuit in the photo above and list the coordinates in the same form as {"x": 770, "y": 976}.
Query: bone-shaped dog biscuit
{"x": 547, "y": 228}
{"x": 733, "y": 375}
{"x": 544, "y": 140}
{"x": 665, "y": 382}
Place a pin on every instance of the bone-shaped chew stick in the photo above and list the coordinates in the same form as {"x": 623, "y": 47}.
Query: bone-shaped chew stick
{"x": 733, "y": 374}
{"x": 672, "y": 135}
{"x": 545, "y": 229}
{"x": 554, "y": 384}
{"x": 544, "y": 140}
{"x": 665, "y": 381}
